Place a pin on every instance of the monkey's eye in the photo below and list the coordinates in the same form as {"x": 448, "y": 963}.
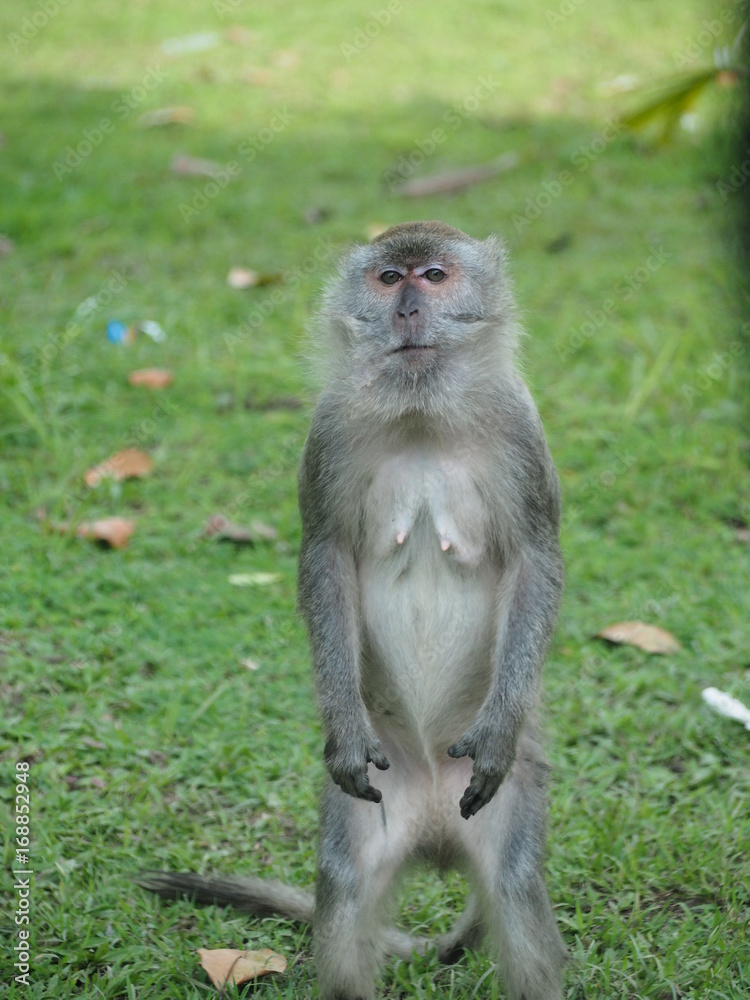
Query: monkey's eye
{"x": 434, "y": 274}
{"x": 390, "y": 277}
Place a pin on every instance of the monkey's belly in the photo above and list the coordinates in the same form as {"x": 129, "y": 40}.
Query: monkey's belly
{"x": 428, "y": 639}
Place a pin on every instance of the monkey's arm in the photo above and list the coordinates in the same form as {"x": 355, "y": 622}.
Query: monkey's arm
{"x": 531, "y": 592}
{"x": 328, "y": 596}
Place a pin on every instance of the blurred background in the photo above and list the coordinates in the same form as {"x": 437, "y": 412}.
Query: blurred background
{"x": 176, "y": 182}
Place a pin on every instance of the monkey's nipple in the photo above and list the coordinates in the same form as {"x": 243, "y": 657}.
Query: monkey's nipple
{"x": 400, "y": 537}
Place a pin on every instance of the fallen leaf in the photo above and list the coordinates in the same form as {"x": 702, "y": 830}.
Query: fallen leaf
{"x": 242, "y": 277}
{"x": 648, "y": 637}
{"x": 286, "y": 58}
{"x": 727, "y": 78}
{"x": 179, "y": 114}
{"x": 127, "y": 464}
{"x": 224, "y": 530}
{"x": 454, "y": 180}
{"x": 239, "y": 35}
{"x": 249, "y": 664}
{"x": 94, "y": 744}
{"x": 245, "y": 277}
{"x": 7, "y": 246}
{"x": 256, "y": 77}
{"x": 230, "y": 966}
{"x": 191, "y": 166}
{"x": 253, "y": 579}
{"x": 114, "y": 531}
{"x": 99, "y": 783}
{"x": 152, "y": 378}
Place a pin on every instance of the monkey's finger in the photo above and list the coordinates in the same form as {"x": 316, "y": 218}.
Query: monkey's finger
{"x": 473, "y": 799}
{"x": 461, "y": 749}
{"x": 379, "y": 759}
{"x": 366, "y": 791}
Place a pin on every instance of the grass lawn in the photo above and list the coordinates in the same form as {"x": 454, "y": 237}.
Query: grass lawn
{"x": 124, "y": 676}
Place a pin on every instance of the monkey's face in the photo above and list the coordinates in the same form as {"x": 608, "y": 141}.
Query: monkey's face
{"x": 415, "y": 312}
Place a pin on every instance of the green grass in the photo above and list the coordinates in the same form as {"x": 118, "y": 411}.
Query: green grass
{"x": 151, "y": 745}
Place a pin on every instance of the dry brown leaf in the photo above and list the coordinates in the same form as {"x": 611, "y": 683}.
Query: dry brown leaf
{"x": 94, "y": 744}
{"x": 648, "y": 637}
{"x": 239, "y": 35}
{"x": 454, "y": 180}
{"x": 114, "y": 531}
{"x": 256, "y": 77}
{"x": 228, "y": 965}
{"x": 179, "y": 114}
{"x": 190, "y": 166}
{"x": 286, "y": 58}
{"x": 224, "y": 530}
{"x": 152, "y": 378}
{"x": 125, "y": 464}
{"x": 245, "y": 277}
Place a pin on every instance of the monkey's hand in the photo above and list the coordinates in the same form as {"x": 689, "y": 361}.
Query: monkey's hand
{"x": 347, "y": 760}
{"x": 492, "y": 761}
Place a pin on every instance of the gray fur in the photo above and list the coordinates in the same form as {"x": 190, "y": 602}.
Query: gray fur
{"x": 430, "y": 578}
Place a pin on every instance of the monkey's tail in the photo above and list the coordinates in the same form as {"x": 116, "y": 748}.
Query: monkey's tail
{"x": 267, "y": 898}
{"x": 263, "y": 897}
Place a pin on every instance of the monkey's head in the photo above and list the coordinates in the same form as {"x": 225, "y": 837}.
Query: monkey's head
{"x": 419, "y": 318}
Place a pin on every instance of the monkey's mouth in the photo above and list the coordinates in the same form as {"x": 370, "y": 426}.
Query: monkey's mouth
{"x": 409, "y": 348}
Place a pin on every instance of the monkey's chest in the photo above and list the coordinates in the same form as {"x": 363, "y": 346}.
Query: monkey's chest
{"x": 425, "y": 510}
{"x": 428, "y": 592}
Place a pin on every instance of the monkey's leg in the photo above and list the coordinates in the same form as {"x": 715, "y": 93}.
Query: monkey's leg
{"x": 362, "y": 846}
{"x": 505, "y": 844}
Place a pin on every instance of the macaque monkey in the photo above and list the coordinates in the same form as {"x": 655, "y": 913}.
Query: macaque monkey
{"x": 429, "y": 579}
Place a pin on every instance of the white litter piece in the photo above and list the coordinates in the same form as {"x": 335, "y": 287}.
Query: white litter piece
{"x": 726, "y": 705}
{"x": 199, "y": 42}
{"x": 152, "y": 330}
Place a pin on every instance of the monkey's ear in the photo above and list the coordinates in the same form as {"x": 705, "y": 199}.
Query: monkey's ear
{"x": 496, "y": 252}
